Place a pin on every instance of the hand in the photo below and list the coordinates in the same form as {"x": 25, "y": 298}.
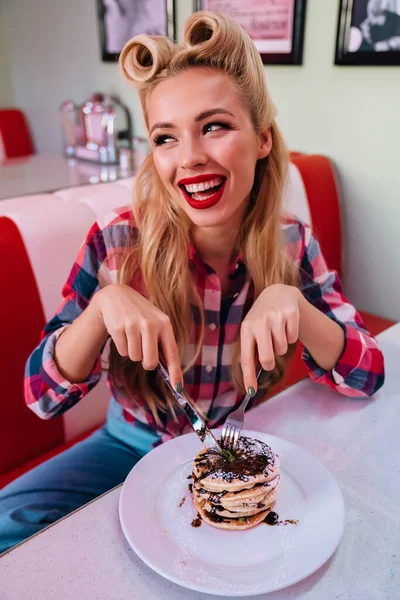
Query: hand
{"x": 269, "y": 327}
{"x": 138, "y": 328}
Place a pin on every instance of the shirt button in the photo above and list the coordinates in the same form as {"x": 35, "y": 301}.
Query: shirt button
{"x": 209, "y": 368}
{"x": 212, "y": 326}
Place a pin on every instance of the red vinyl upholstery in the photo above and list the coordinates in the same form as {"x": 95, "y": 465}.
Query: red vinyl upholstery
{"x": 23, "y": 436}
{"x": 14, "y": 132}
{"x": 317, "y": 174}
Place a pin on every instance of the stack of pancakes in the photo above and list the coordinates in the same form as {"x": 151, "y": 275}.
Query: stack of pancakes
{"x": 240, "y": 492}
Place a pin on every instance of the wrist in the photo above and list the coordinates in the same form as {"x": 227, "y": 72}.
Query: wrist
{"x": 306, "y": 311}
{"x": 94, "y": 315}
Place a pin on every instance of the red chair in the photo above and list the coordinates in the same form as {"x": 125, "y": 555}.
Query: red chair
{"x": 15, "y": 136}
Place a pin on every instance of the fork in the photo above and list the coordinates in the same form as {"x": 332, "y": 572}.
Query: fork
{"x": 234, "y": 422}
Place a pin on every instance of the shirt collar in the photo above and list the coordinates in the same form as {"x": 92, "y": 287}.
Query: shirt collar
{"x": 197, "y": 261}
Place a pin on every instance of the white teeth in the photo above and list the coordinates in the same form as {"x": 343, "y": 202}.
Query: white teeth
{"x": 201, "y": 187}
{"x": 201, "y": 197}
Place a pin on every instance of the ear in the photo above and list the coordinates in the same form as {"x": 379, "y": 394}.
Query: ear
{"x": 265, "y": 144}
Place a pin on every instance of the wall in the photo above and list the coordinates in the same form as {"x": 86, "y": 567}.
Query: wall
{"x": 348, "y": 113}
{"x": 6, "y": 88}
{"x": 351, "y": 114}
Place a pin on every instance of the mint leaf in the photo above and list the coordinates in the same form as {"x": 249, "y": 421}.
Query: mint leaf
{"x": 228, "y": 456}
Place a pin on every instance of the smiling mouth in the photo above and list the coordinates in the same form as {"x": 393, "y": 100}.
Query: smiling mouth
{"x": 203, "y": 191}
{"x": 205, "y": 194}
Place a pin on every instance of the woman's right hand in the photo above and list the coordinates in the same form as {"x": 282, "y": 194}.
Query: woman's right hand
{"x": 138, "y": 328}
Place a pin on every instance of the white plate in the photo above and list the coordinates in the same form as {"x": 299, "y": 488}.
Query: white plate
{"x": 231, "y": 563}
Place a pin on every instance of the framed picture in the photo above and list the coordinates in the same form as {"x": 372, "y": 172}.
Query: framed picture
{"x": 275, "y": 26}
{"x": 368, "y": 33}
{"x": 121, "y": 20}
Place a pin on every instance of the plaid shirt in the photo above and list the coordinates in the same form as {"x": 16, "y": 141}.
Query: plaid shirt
{"x": 359, "y": 371}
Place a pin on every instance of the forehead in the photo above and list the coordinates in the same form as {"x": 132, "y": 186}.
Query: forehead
{"x": 192, "y": 92}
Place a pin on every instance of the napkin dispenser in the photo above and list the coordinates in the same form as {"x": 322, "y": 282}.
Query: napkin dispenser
{"x": 97, "y": 129}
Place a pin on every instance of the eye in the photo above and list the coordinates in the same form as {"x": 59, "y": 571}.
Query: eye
{"x": 160, "y": 140}
{"x": 216, "y": 126}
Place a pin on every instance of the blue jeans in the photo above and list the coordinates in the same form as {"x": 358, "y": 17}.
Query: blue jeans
{"x": 70, "y": 480}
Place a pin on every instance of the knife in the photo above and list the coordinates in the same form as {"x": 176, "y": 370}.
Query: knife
{"x": 205, "y": 435}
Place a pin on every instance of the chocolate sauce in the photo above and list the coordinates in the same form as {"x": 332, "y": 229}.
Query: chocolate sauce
{"x": 182, "y": 501}
{"x": 214, "y": 509}
{"x": 202, "y": 433}
{"x": 189, "y": 477}
{"x": 291, "y": 521}
{"x": 190, "y": 486}
{"x": 213, "y": 517}
{"x": 272, "y": 518}
{"x": 252, "y": 458}
{"x": 197, "y": 522}
{"x": 216, "y": 496}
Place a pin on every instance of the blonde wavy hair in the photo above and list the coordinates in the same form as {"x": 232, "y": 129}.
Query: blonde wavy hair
{"x": 160, "y": 249}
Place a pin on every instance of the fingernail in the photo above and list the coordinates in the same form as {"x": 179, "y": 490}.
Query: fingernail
{"x": 179, "y": 387}
{"x": 251, "y": 391}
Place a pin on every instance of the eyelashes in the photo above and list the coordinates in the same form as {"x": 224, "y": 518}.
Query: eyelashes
{"x": 161, "y": 139}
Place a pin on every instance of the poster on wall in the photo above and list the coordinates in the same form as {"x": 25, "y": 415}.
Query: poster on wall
{"x": 368, "y": 33}
{"x": 121, "y": 20}
{"x": 275, "y": 26}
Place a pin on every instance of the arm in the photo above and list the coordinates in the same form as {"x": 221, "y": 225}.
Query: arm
{"x": 66, "y": 364}
{"x": 50, "y": 391}
{"x": 323, "y": 337}
{"x": 350, "y": 362}
{"x": 338, "y": 352}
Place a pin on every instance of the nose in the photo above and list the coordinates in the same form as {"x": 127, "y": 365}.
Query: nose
{"x": 192, "y": 154}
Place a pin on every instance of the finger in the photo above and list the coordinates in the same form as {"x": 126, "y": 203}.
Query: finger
{"x": 278, "y": 334}
{"x": 134, "y": 341}
{"x": 149, "y": 345}
{"x": 247, "y": 357}
{"x": 265, "y": 349}
{"x": 120, "y": 341}
{"x": 171, "y": 354}
{"x": 292, "y": 328}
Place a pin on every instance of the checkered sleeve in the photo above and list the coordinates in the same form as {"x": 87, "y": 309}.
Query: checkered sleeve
{"x": 359, "y": 371}
{"x": 47, "y": 392}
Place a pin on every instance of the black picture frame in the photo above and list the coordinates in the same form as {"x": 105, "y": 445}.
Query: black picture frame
{"x": 124, "y": 19}
{"x": 361, "y": 31}
{"x": 295, "y": 56}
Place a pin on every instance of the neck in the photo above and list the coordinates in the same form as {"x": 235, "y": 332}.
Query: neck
{"x": 214, "y": 244}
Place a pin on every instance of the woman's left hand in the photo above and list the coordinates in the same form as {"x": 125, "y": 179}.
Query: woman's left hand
{"x": 268, "y": 328}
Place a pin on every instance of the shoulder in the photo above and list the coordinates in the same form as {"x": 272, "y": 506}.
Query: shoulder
{"x": 297, "y": 236}
{"x": 118, "y": 220}
{"x": 113, "y": 229}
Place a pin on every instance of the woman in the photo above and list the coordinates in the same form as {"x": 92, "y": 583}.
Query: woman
{"x": 206, "y": 274}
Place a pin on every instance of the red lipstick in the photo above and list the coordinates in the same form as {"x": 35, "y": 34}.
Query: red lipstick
{"x": 200, "y": 178}
{"x": 202, "y": 204}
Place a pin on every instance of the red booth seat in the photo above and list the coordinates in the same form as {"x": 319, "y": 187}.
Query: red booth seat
{"x": 15, "y": 137}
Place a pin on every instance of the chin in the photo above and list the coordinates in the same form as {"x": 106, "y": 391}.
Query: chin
{"x": 208, "y": 220}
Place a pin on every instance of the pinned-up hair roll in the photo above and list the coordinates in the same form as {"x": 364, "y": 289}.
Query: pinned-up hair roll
{"x": 144, "y": 56}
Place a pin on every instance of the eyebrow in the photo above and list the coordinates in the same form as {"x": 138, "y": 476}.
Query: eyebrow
{"x": 200, "y": 117}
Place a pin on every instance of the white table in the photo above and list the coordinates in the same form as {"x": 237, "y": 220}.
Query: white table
{"x": 49, "y": 172}
{"x": 85, "y": 556}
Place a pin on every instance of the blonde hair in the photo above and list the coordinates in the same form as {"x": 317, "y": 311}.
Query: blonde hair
{"x": 160, "y": 253}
